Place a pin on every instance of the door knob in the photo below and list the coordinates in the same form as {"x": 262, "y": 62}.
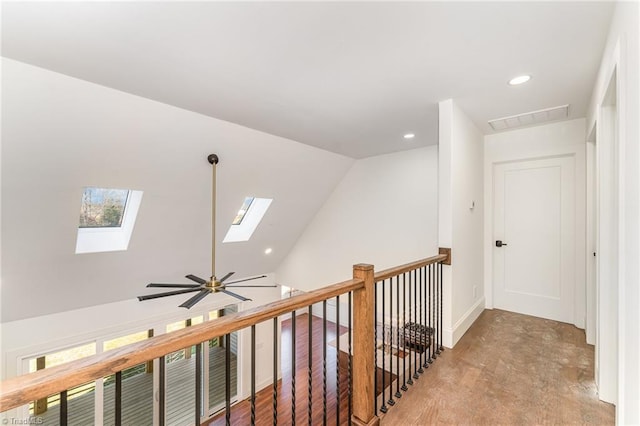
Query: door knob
{"x": 499, "y": 243}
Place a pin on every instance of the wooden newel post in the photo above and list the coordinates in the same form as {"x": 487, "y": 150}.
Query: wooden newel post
{"x": 363, "y": 348}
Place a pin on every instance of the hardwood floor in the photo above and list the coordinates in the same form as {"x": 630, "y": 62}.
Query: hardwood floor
{"x": 241, "y": 412}
{"x": 508, "y": 369}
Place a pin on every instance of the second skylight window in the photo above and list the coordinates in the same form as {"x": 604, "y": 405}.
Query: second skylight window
{"x": 243, "y": 210}
{"x": 247, "y": 220}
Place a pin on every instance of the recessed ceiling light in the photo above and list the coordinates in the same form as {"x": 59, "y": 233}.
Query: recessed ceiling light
{"x": 519, "y": 80}
{"x": 409, "y": 136}
{"x": 268, "y": 250}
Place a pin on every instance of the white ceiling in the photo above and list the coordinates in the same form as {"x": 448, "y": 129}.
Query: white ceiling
{"x": 351, "y": 78}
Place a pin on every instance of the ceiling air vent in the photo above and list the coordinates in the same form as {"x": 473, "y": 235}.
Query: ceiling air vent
{"x": 531, "y": 118}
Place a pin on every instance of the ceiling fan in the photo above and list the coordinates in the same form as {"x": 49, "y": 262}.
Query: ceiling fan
{"x": 213, "y": 285}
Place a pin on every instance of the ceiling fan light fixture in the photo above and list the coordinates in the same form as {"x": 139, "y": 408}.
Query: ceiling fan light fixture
{"x": 213, "y": 285}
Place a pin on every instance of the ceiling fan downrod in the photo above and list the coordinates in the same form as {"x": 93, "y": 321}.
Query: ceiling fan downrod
{"x": 202, "y": 286}
{"x": 213, "y": 160}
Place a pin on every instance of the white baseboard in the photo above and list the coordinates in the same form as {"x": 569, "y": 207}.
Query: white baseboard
{"x": 452, "y": 335}
{"x": 263, "y": 384}
{"x": 259, "y": 386}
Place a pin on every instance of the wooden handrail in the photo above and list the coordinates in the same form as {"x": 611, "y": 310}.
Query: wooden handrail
{"x": 24, "y": 389}
{"x": 397, "y": 270}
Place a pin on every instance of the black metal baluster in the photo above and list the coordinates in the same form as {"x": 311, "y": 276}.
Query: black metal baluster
{"x": 349, "y": 378}
{"x": 430, "y": 334}
{"x": 420, "y": 321}
{"x": 161, "y": 390}
{"x": 293, "y": 367}
{"x": 425, "y": 327}
{"x": 384, "y": 348}
{"x": 275, "y": 372}
{"x": 198, "y": 382}
{"x": 411, "y": 342}
{"x": 253, "y": 374}
{"x": 440, "y": 347}
{"x": 398, "y": 394}
{"x": 338, "y": 359}
{"x": 375, "y": 348}
{"x": 391, "y": 401}
{"x": 324, "y": 362}
{"x": 309, "y": 366}
{"x": 118, "y": 400}
{"x": 439, "y": 304}
{"x": 436, "y": 326}
{"x": 227, "y": 377}
{"x": 436, "y": 317}
{"x": 414, "y": 333}
{"x": 404, "y": 332}
{"x": 63, "y": 408}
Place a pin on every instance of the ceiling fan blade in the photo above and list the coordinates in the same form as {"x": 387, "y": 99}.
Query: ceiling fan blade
{"x": 237, "y": 296}
{"x": 247, "y": 286}
{"x": 196, "y": 279}
{"x": 195, "y": 299}
{"x": 168, "y": 293}
{"x": 246, "y": 279}
{"x": 173, "y": 285}
{"x": 226, "y": 276}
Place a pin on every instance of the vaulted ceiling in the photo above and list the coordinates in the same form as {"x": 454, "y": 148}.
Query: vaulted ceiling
{"x": 349, "y": 77}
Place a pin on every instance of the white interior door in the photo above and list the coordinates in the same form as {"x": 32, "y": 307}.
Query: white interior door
{"x": 534, "y": 211}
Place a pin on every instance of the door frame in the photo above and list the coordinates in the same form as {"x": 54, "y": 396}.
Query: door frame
{"x": 608, "y": 230}
{"x": 567, "y": 297}
{"x": 592, "y": 240}
{"x": 566, "y": 138}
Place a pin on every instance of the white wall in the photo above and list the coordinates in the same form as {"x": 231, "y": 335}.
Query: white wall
{"x": 264, "y": 343}
{"x": 461, "y": 219}
{"x": 60, "y": 134}
{"x": 622, "y": 53}
{"x": 562, "y": 138}
{"x": 384, "y": 212}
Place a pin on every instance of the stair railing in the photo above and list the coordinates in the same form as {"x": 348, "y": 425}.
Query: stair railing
{"x": 387, "y": 343}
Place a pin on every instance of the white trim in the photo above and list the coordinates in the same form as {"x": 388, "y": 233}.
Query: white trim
{"x": 451, "y": 336}
{"x": 98, "y": 404}
{"x": 591, "y": 242}
{"x": 610, "y": 182}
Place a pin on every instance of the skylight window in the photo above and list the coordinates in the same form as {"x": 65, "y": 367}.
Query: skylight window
{"x": 247, "y": 220}
{"x": 243, "y": 210}
{"x": 107, "y": 218}
{"x": 103, "y": 208}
